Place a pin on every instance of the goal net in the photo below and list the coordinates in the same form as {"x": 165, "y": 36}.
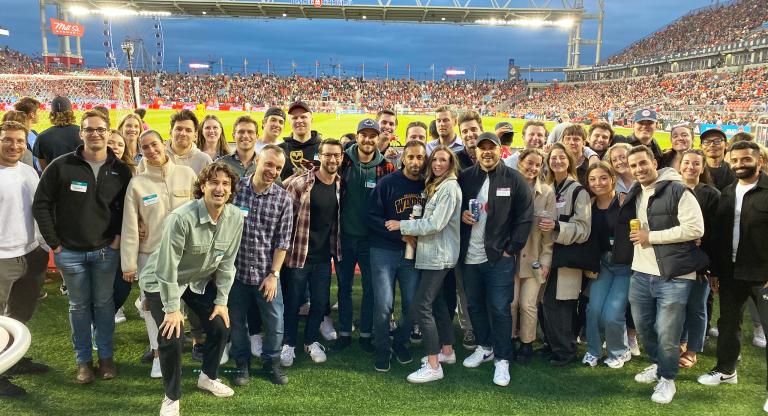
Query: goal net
{"x": 83, "y": 90}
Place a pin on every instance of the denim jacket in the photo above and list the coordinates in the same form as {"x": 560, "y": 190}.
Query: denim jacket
{"x": 438, "y": 229}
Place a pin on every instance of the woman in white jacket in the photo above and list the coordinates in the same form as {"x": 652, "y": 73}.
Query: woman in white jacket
{"x": 437, "y": 253}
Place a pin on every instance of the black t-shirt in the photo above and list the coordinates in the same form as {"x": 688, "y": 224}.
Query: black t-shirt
{"x": 323, "y": 210}
{"x": 56, "y": 141}
{"x": 722, "y": 176}
{"x": 604, "y": 224}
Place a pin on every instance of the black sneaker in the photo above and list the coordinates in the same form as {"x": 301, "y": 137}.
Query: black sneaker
{"x": 382, "y": 362}
{"x": 274, "y": 372}
{"x": 402, "y": 353}
{"x": 366, "y": 344}
{"x": 556, "y": 361}
{"x": 415, "y": 335}
{"x": 341, "y": 343}
{"x": 197, "y": 352}
{"x": 147, "y": 357}
{"x": 242, "y": 376}
{"x": 525, "y": 353}
{"x": 27, "y": 366}
{"x": 8, "y": 389}
{"x": 469, "y": 340}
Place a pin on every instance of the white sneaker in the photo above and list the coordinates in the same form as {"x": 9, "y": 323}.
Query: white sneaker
{"x": 425, "y": 374}
{"x": 713, "y": 332}
{"x": 758, "y": 337}
{"x": 216, "y": 387}
{"x": 335, "y": 306}
{"x": 765, "y": 406}
{"x": 169, "y": 407}
{"x": 634, "y": 348}
{"x": 139, "y": 308}
{"x": 441, "y": 358}
{"x": 589, "y": 360}
{"x": 501, "y": 373}
{"x": 664, "y": 391}
{"x": 156, "y": 371}
{"x": 327, "y": 330}
{"x": 256, "y": 345}
{"x": 287, "y": 355}
{"x": 713, "y": 378}
{"x": 225, "y": 354}
{"x": 481, "y": 355}
{"x": 316, "y": 352}
{"x": 120, "y": 317}
{"x": 619, "y": 361}
{"x": 648, "y": 375}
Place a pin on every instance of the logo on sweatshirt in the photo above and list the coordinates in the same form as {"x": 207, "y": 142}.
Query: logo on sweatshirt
{"x": 406, "y": 202}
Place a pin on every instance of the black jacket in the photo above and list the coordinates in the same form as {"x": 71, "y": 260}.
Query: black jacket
{"x": 509, "y": 217}
{"x": 73, "y": 209}
{"x": 465, "y": 161}
{"x": 634, "y": 141}
{"x": 752, "y": 253}
{"x": 297, "y": 153}
{"x": 708, "y": 197}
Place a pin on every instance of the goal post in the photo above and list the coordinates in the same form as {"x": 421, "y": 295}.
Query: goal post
{"x": 83, "y": 90}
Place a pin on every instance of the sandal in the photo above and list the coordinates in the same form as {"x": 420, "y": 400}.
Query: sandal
{"x": 687, "y": 360}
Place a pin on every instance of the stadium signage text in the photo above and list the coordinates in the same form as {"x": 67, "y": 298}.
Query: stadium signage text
{"x": 320, "y": 3}
{"x": 62, "y": 28}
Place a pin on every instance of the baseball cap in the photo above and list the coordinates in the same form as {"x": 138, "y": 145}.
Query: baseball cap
{"x": 712, "y": 132}
{"x": 275, "y": 111}
{"x": 645, "y": 114}
{"x": 488, "y": 136}
{"x": 503, "y": 124}
{"x": 368, "y": 123}
{"x": 299, "y": 104}
{"x": 61, "y": 104}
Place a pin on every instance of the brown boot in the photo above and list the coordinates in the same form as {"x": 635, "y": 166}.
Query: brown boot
{"x": 107, "y": 368}
{"x": 84, "y": 373}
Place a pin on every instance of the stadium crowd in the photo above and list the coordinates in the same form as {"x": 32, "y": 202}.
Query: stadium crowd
{"x": 737, "y": 20}
{"x": 591, "y": 236}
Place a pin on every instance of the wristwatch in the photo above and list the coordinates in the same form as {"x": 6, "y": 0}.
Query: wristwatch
{"x": 275, "y": 273}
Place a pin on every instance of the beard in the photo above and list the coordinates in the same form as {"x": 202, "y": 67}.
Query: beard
{"x": 746, "y": 172}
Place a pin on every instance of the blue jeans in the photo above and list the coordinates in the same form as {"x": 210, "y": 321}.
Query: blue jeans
{"x": 318, "y": 277}
{"x": 386, "y": 266}
{"x": 658, "y": 309}
{"x": 90, "y": 278}
{"x": 241, "y": 298}
{"x": 490, "y": 288}
{"x": 695, "y": 327}
{"x": 354, "y": 250}
{"x": 608, "y": 297}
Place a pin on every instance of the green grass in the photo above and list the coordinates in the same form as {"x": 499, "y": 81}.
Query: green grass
{"x": 347, "y": 383}
{"x": 327, "y": 123}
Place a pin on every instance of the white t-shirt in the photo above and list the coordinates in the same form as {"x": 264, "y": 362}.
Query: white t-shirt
{"x": 476, "y": 251}
{"x": 18, "y": 227}
{"x": 741, "y": 190}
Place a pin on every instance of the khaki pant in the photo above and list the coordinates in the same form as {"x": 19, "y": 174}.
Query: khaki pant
{"x": 524, "y": 308}
{"x": 20, "y": 281}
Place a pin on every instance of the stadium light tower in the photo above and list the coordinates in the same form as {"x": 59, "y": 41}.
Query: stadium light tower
{"x": 127, "y": 48}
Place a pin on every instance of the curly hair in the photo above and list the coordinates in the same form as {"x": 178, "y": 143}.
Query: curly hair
{"x": 209, "y": 172}
{"x": 63, "y": 118}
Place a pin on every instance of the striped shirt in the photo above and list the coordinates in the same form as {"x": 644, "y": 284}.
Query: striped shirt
{"x": 268, "y": 223}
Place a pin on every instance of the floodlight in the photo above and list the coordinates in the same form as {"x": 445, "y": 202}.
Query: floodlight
{"x": 78, "y": 10}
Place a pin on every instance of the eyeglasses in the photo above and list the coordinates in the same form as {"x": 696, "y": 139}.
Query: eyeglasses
{"x": 336, "y": 156}
{"x": 711, "y": 142}
{"x": 100, "y": 131}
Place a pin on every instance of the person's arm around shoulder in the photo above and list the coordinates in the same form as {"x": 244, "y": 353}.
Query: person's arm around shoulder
{"x": 446, "y": 198}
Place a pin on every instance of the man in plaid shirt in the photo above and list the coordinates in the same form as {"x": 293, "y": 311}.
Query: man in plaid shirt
{"x": 315, "y": 196}
{"x": 266, "y": 237}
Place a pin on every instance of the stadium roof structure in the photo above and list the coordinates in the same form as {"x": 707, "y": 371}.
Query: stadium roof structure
{"x": 463, "y": 12}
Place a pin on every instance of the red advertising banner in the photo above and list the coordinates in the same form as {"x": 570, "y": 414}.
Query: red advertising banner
{"x": 62, "y": 28}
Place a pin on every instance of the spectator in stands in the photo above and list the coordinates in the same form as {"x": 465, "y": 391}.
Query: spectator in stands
{"x": 201, "y": 277}
{"x": 445, "y": 123}
{"x": 272, "y": 126}
{"x": 62, "y": 137}
{"x": 600, "y": 138}
{"x": 268, "y": 215}
{"x": 740, "y": 261}
{"x": 714, "y": 142}
{"x": 147, "y": 203}
{"x": 211, "y": 138}
{"x": 23, "y": 255}
{"x": 131, "y": 127}
{"x": 301, "y": 147}
{"x": 78, "y": 206}
{"x": 682, "y": 141}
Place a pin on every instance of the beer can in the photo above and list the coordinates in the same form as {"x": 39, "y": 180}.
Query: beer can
{"x": 536, "y": 268}
{"x": 474, "y": 208}
{"x": 634, "y": 225}
{"x": 417, "y": 211}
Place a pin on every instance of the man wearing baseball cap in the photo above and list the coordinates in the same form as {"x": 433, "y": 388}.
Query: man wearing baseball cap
{"x": 714, "y": 144}
{"x": 302, "y": 146}
{"x": 272, "y": 126}
{"x": 490, "y": 244}
{"x": 505, "y": 133}
{"x": 62, "y": 137}
{"x": 643, "y": 130}
{"x": 363, "y": 166}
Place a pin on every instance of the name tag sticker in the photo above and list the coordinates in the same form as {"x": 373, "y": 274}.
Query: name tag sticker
{"x": 317, "y": 157}
{"x": 503, "y": 192}
{"x": 559, "y": 205}
{"x": 150, "y": 200}
{"x": 219, "y": 256}
{"x": 244, "y": 211}
{"x": 370, "y": 184}
{"x": 78, "y": 186}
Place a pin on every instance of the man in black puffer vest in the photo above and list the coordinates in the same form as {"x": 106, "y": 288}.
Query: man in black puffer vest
{"x": 664, "y": 258}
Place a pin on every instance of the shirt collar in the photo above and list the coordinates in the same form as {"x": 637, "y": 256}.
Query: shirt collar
{"x": 204, "y": 217}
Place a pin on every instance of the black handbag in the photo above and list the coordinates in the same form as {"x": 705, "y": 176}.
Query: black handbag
{"x": 584, "y": 256}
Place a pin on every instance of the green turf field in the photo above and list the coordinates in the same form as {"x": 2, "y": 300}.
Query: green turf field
{"x": 327, "y": 124}
{"x": 348, "y": 385}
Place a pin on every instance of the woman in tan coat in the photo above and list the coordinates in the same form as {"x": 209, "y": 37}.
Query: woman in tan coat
{"x": 537, "y": 249}
{"x": 571, "y": 227}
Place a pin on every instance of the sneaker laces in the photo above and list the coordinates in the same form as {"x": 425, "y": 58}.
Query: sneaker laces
{"x": 316, "y": 347}
{"x": 662, "y": 385}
